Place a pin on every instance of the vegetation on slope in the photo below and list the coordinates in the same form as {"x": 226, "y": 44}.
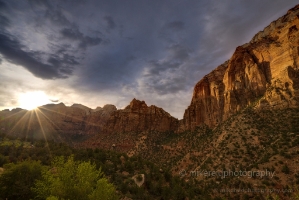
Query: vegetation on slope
{"x": 42, "y": 172}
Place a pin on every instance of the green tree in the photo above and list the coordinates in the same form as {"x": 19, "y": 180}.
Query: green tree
{"x": 103, "y": 190}
{"x": 17, "y": 179}
{"x": 73, "y": 180}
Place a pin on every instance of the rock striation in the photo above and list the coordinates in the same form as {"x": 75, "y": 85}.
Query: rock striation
{"x": 265, "y": 70}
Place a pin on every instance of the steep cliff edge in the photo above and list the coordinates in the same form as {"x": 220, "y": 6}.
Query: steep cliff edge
{"x": 266, "y": 69}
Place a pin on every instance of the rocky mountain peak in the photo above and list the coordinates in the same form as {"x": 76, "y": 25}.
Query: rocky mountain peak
{"x": 137, "y": 106}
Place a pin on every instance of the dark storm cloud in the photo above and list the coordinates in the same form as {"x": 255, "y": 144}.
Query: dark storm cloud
{"x": 12, "y": 51}
{"x": 167, "y": 76}
{"x": 3, "y": 21}
{"x": 175, "y": 25}
{"x": 53, "y": 13}
{"x": 110, "y": 23}
{"x": 151, "y": 50}
{"x": 76, "y": 35}
{"x": 2, "y": 5}
{"x": 56, "y": 17}
{"x": 179, "y": 52}
{"x": 110, "y": 71}
{"x": 167, "y": 85}
{"x": 177, "y": 55}
{"x": 172, "y": 31}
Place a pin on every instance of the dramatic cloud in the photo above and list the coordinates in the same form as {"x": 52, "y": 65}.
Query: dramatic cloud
{"x": 12, "y": 51}
{"x": 76, "y": 35}
{"x": 4, "y": 22}
{"x": 110, "y": 23}
{"x": 99, "y": 52}
{"x": 175, "y": 26}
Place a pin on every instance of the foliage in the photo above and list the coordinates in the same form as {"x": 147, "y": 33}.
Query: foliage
{"x": 73, "y": 180}
{"x": 17, "y": 179}
{"x": 3, "y": 160}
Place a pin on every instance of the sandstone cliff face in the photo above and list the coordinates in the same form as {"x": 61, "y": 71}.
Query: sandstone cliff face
{"x": 207, "y": 102}
{"x": 138, "y": 117}
{"x": 266, "y": 69}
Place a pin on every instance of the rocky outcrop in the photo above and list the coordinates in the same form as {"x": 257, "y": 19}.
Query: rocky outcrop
{"x": 265, "y": 70}
{"x": 138, "y": 117}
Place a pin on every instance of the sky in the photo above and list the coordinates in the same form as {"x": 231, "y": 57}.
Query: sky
{"x": 111, "y": 51}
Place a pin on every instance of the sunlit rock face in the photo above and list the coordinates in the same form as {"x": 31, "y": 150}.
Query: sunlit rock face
{"x": 265, "y": 70}
{"x": 138, "y": 117}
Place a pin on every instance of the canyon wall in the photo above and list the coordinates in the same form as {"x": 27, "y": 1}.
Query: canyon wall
{"x": 265, "y": 69}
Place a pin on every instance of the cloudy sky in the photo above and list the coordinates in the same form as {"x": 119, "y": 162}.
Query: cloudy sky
{"x": 110, "y": 51}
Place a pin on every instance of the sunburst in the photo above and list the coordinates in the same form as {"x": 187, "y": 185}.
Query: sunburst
{"x": 37, "y": 118}
{"x": 31, "y": 100}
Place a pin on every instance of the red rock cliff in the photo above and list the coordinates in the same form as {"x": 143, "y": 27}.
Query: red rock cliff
{"x": 138, "y": 117}
{"x": 266, "y": 69}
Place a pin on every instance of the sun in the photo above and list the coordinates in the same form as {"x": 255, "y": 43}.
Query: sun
{"x": 31, "y": 100}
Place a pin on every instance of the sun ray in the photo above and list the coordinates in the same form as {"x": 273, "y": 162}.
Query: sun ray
{"x": 13, "y": 114}
{"x": 43, "y": 132}
{"x": 89, "y": 123}
{"x": 51, "y": 122}
{"x": 18, "y": 122}
{"x": 29, "y": 126}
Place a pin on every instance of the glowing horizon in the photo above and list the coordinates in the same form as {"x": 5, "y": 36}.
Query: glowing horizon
{"x": 32, "y": 100}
